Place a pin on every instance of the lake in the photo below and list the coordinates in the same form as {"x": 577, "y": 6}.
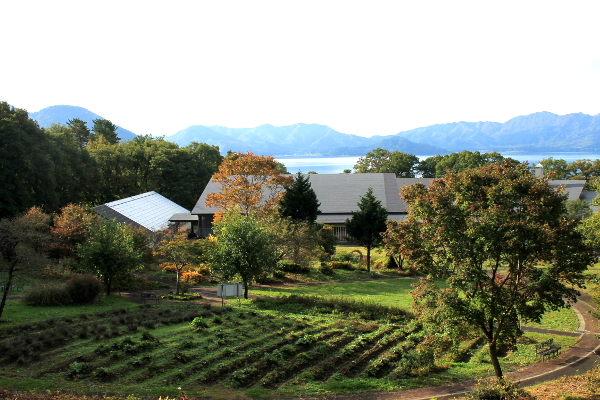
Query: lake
{"x": 337, "y": 165}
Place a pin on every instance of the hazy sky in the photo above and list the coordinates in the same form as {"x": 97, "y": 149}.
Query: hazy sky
{"x": 365, "y": 68}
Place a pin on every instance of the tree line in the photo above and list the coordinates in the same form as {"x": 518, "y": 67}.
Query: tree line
{"x": 406, "y": 165}
{"x": 71, "y": 164}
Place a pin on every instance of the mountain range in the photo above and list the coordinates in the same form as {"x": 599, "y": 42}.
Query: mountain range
{"x": 538, "y": 132}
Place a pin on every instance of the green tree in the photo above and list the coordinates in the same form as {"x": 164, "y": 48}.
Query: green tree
{"x": 179, "y": 251}
{"x": 368, "y": 223}
{"x": 80, "y": 130}
{"x": 578, "y": 209}
{"x": 555, "y": 168}
{"x": 299, "y": 202}
{"x": 380, "y": 160}
{"x": 106, "y": 129}
{"x": 487, "y": 231}
{"x": 109, "y": 253}
{"x": 24, "y": 244}
{"x": 27, "y": 173}
{"x": 241, "y": 247}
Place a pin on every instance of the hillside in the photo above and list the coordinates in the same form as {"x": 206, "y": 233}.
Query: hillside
{"x": 62, "y": 114}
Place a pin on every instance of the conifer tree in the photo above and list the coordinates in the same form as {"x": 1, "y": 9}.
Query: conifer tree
{"x": 299, "y": 201}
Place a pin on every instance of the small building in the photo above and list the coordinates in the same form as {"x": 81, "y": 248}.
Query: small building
{"x": 150, "y": 211}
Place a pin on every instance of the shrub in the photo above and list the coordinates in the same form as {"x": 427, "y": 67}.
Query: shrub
{"x": 83, "y": 289}
{"x": 199, "y": 323}
{"x": 497, "y": 388}
{"x": 341, "y": 265}
{"x": 191, "y": 277}
{"x": 344, "y": 256}
{"x": 326, "y": 269}
{"x": 294, "y": 268}
{"x": 47, "y": 294}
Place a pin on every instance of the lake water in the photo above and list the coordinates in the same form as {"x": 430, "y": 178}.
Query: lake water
{"x": 337, "y": 165}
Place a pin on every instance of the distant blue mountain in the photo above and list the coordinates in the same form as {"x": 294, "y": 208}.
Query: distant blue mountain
{"x": 538, "y": 132}
{"x": 62, "y": 114}
{"x": 297, "y": 139}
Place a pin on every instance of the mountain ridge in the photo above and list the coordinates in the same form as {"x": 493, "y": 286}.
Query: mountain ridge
{"x": 537, "y": 132}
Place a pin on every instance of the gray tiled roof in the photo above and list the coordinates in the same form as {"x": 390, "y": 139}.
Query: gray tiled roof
{"x": 573, "y": 188}
{"x": 339, "y": 194}
{"x": 149, "y": 210}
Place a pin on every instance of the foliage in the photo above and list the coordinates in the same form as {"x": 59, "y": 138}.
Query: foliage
{"x": 71, "y": 227}
{"x": 326, "y": 238}
{"x": 295, "y": 240}
{"x": 241, "y": 247}
{"x": 59, "y": 165}
{"x": 106, "y": 129}
{"x": 578, "y": 209}
{"x": 486, "y": 230}
{"x": 497, "y": 388}
{"x": 47, "y": 294}
{"x": 24, "y": 244}
{"x": 380, "y": 160}
{"x": 326, "y": 269}
{"x": 80, "y": 130}
{"x": 179, "y": 251}
{"x": 293, "y": 268}
{"x": 555, "y": 168}
{"x": 249, "y": 183}
{"x": 83, "y": 289}
{"x": 438, "y": 166}
{"x": 367, "y": 224}
{"x": 26, "y": 164}
{"x": 299, "y": 202}
{"x": 109, "y": 252}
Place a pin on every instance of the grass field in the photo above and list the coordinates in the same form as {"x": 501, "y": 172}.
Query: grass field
{"x": 358, "y": 341}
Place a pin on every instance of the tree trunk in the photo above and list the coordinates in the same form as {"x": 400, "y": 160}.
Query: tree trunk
{"x": 107, "y": 283}
{"x": 7, "y": 286}
{"x": 177, "y": 281}
{"x": 245, "y": 290}
{"x": 494, "y": 358}
{"x": 368, "y": 258}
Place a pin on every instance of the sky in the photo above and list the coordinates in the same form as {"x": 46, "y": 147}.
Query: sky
{"x": 360, "y": 67}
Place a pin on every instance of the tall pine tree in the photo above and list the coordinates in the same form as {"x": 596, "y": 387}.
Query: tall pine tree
{"x": 300, "y": 201}
{"x": 368, "y": 223}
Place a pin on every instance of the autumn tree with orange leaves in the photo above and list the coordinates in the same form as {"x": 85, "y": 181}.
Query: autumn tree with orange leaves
{"x": 249, "y": 183}
{"x": 71, "y": 227}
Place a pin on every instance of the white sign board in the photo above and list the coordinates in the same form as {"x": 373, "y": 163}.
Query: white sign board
{"x": 230, "y": 289}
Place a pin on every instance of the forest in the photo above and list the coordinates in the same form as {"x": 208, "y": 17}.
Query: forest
{"x": 73, "y": 164}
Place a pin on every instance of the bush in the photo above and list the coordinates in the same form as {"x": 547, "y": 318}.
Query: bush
{"x": 48, "y": 294}
{"x": 344, "y": 256}
{"x": 294, "y": 268}
{"x": 326, "y": 269}
{"x": 199, "y": 323}
{"x": 83, "y": 289}
{"x": 341, "y": 265}
{"x": 497, "y": 388}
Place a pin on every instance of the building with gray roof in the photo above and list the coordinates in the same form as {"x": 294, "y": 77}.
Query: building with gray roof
{"x": 338, "y": 194}
{"x": 150, "y": 211}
